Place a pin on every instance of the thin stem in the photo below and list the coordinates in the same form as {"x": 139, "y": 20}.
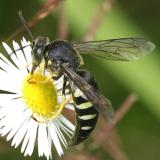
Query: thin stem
{"x": 123, "y": 109}
{"x": 44, "y": 11}
{"x": 114, "y": 149}
{"x": 111, "y": 145}
{"x": 63, "y": 24}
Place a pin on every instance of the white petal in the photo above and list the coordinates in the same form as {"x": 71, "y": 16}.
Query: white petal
{"x": 19, "y": 59}
{"x": 32, "y": 131}
{"x": 20, "y": 119}
{"x": 5, "y": 99}
{"x": 10, "y": 114}
{"x": 50, "y": 143}
{"x": 43, "y": 144}
{"x": 67, "y": 123}
{"x": 59, "y": 83}
{"x": 7, "y": 48}
{"x": 66, "y": 130}
{"x": 11, "y": 80}
{"x": 70, "y": 106}
{"x": 26, "y": 138}
{"x": 60, "y": 135}
{"x": 7, "y": 66}
{"x": 55, "y": 139}
{"x": 3, "y": 64}
{"x": 21, "y": 133}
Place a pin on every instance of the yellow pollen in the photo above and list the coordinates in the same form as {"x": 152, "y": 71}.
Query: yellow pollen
{"x": 40, "y": 95}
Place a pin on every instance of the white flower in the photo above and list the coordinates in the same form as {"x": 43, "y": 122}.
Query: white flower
{"x": 20, "y": 118}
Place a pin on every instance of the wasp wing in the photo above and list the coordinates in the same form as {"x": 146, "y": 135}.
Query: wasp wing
{"x": 102, "y": 104}
{"x": 123, "y": 49}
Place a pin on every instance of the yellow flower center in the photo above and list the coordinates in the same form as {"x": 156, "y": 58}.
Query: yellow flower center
{"x": 40, "y": 95}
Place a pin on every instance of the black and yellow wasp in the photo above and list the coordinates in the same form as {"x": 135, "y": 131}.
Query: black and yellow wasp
{"x": 64, "y": 58}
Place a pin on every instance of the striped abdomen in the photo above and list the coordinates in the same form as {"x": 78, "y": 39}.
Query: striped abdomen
{"x": 86, "y": 114}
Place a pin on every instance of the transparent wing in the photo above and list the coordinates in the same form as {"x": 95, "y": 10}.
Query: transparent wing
{"x": 124, "y": 49}
{"x": 102, "y": 104}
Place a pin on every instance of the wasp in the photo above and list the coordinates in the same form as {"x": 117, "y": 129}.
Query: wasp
{"x": 64, "y": 58}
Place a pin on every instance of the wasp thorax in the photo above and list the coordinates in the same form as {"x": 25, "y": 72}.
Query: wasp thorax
{"x": 59, "y": 53}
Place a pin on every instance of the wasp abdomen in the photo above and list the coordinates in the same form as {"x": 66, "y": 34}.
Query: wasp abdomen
{"x": 86, "y": 119}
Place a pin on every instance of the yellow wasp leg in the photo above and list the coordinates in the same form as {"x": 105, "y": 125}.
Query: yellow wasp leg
{"x": 57, "y": 113}
{"x": 62, "y": 105}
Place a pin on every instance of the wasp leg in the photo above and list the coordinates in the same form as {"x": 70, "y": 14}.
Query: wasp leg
{"x": 86, "y": 114}
{"x": 64, "y": 86}
{"x": 61, "y": 106}
{"x": 56, "y": 113}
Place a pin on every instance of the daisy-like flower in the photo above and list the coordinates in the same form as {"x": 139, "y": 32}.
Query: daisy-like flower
{"x": 31, "y": 105}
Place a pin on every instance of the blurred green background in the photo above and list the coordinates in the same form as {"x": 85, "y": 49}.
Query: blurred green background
{"x": 139, "y": 130}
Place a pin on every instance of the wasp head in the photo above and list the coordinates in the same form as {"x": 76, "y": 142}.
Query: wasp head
{"x": 38, "y": 51}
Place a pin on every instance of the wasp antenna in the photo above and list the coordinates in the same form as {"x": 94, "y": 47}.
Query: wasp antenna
{"x": 25, "y": 24}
